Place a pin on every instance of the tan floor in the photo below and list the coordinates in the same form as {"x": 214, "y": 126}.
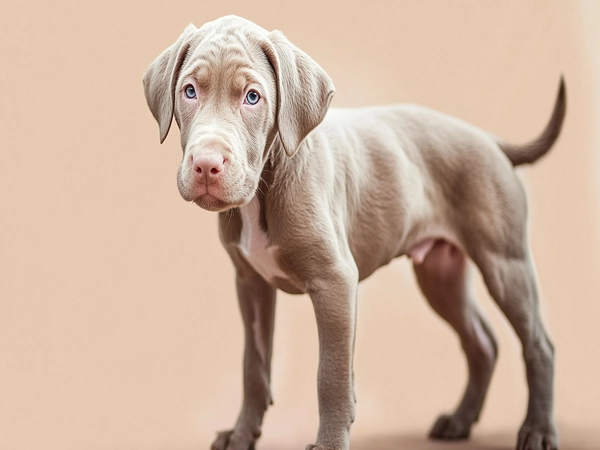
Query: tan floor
{"x": 119, "y": 328}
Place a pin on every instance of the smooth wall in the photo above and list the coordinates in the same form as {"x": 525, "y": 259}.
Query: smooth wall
{"x": 119, "y": 328}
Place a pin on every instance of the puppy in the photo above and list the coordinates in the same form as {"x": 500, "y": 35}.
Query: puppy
{"x": 313, "y": 200}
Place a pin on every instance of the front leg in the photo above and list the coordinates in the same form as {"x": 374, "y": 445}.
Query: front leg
{"x": 334, "y": 302}
{"x": 257, "y": 304}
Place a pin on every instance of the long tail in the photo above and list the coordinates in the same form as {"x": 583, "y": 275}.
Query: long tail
{"x": 530, "y": 152}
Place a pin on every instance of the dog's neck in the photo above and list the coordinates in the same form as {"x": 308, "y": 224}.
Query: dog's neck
{"x": 253, "y": 214}
{"x": 280, "y": 173}
{"x": 253, "y": 237}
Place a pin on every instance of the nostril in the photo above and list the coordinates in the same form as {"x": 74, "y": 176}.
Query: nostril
{"x": 208, "y": 166}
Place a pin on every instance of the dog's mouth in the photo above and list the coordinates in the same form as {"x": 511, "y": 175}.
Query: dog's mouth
{"x": 211, "y": 203}
{"x": 218, "y": 196}
{"x": 209, "y": 197}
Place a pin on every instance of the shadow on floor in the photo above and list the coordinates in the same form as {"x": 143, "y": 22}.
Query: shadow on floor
{"x": 571, "y": 438}
{"x": 411, "y": 442}
{"x": 420, "y": 442}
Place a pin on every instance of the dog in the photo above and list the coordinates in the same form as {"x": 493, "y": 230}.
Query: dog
{"x": 313, "y": 200}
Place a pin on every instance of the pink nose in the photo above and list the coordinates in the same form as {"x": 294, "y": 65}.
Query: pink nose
{"x": 208, "y": 167}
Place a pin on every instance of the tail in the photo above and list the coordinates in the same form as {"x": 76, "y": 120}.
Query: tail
{"x": 530, "y": 152}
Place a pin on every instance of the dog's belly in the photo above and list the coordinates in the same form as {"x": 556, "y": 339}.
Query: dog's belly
{"x": 419, "y": 252}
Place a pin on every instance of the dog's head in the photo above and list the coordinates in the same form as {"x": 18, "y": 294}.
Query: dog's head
{"x": 232, "y": 87}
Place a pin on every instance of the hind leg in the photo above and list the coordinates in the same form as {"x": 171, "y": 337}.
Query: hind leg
{"x": 443, "y": 278}
{"x": 511, "y": 282}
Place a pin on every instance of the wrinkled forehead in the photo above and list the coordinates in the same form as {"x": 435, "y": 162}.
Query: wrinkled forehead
{"x": 228, "y": 49}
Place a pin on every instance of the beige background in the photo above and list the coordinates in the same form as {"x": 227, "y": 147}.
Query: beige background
{"x": 119, "y": 327}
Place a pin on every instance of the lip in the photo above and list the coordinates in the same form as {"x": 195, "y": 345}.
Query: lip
{"x": 210, "y": 197}
{"x": 211, "y": 203}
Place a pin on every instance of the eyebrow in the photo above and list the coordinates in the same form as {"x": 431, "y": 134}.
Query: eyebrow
{"x": 241, "y": 71}
{"x": 248, "y": 75}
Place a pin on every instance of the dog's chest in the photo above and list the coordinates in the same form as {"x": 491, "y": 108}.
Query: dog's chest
{"x": 254, "y": 244}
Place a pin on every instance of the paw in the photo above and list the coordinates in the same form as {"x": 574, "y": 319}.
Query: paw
{"x": 233, "y": 440}
{"x": 450, "y": 427}
{"x": 532, "y": 438}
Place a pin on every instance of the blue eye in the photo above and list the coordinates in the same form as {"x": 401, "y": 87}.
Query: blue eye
{"x": 190, "y": 92}
{"x": 252, "y": 97}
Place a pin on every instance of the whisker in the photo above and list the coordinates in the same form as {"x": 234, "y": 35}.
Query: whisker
{"x": 229, "y": 215}
{"x": 264, "y": 181}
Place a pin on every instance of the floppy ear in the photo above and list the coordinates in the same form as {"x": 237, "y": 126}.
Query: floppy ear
{"x": 160, "y": 80}
{"x": 304, "y": 90}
